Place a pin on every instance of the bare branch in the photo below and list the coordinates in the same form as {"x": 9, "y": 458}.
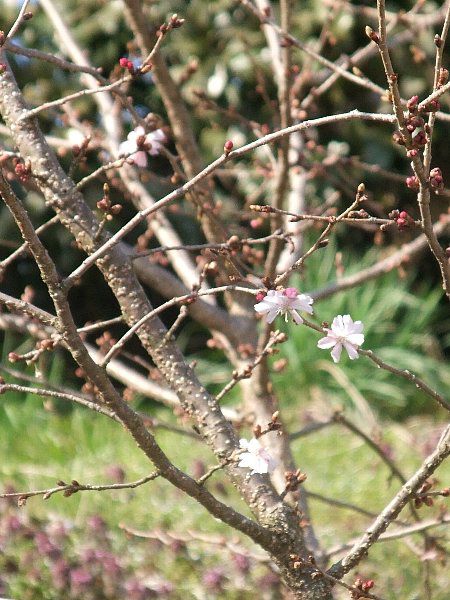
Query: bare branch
{"x": 68, "y": 489}
{"x": 394, "y": 508}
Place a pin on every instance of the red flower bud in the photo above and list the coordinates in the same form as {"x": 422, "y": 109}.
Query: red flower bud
{"x": 432, "y": 106}
{"x": 420, "y": 139}
{"x": 436, "y": 179}
{"x": 412, "y": 182}
{"x": 368, "y": 585}
{"x": 402, "y": 219}
{"x": 228, "y": 146}
{"x": 412, "y": 102}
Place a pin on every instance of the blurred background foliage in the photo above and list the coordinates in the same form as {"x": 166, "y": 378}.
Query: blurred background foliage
{"x": 221, "y": 52}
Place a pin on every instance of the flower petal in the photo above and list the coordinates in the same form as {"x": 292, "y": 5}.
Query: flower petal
{"x": 243, "y": 443}
{"x": 358, "y": 327}
{"x": 156, "y": 136}
{"x": 337, "y": 326}
{"x": 140, "y": 158}
{"x": 296, "y": 317}
{"x": 263, "y": 306}
{"x": 272, "y": 314}
{"x": 138, "y": 132}
{"x": 326, "y": 342}
{"x": 356, "y": 339}
{"x": 336, "y": 352}
{"x": 254, "y": 445}
{"x": 127, "y": 147}
{"x": 347, "y": 321}
{"x": 351, "y": 350}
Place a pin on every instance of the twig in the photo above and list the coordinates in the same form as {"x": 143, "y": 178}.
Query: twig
{"x": 204, "y": 478}
{"x": 181, "y": 191}
{"x": 191, "y": 296}
{"x": 18, "y": 22}
{"x": 100, "y": 325}
{"x": 12, "y": 387}
{"x": 81, "y": 93}
{"x": 393, "y": 509}
{"x": 324, "y": 218}
{"x": 115, "y": 164}
{"x": 423, "y": 196}
{"x": 26, "y": 308}
{"x": 440, "y": 45}
{"x": 400, "y": 372}
{"x": 404, "y": 255}
{"x": 360, "y": 81}
{"x": 405, "y": 531}
{"x": 311, "y": 428}
{"x": 176, "y": 324}
{"x": 322, "y": 237}
{"x": 340, "y": 504}
{"x": 419, "y": 383}
{"x": 52, "y": 59}
{"x": 350, "y": 588}
{"x": 168, "y": 537}
{"x": 275, "y": 338}
{"x": 342, "y": 419}
{"x": 24, "y": 247}
{"x": 68, "y": 489}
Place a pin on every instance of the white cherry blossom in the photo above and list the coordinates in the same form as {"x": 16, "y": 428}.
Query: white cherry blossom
{"x": 154, "y": 140}
{"x": 256, "y": 457}
{"x": 285, "y": 302}
{"x": 343, "y": 333}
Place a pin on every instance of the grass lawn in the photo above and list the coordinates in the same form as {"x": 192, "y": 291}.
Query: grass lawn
{"x": 40, "y": 447}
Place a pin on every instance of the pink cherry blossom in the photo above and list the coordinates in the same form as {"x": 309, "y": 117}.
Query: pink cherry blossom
{"x": 285, "y": 302}
{"x": 343, "y": 333}
{"x": 256, "y": 457}
{"x": 153, "y": 140}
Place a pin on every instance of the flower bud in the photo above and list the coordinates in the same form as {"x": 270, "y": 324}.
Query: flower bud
{"x": 13, "y": 357}
{"x": 412, "y": 103}
{"x": 372, "y": 35}
{"x": 228, "y": 147}
{"x": 412, "y": 182}
{"x": 432, "y": 106}
{"x": 116, "y": 209}
{"x": 419, "y": 139}
{"x": 103, "y": 205}
{"x": 436, "y": 179}
{"x": 398, "y": 138}
{"x": 291, "y": 292}
{"x": 443, "y": 76}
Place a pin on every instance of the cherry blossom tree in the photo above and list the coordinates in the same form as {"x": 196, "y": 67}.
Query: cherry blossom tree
{"x": 241, "y": 288}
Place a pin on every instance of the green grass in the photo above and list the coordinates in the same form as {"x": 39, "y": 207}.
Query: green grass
{"x": 39, "y": 447}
